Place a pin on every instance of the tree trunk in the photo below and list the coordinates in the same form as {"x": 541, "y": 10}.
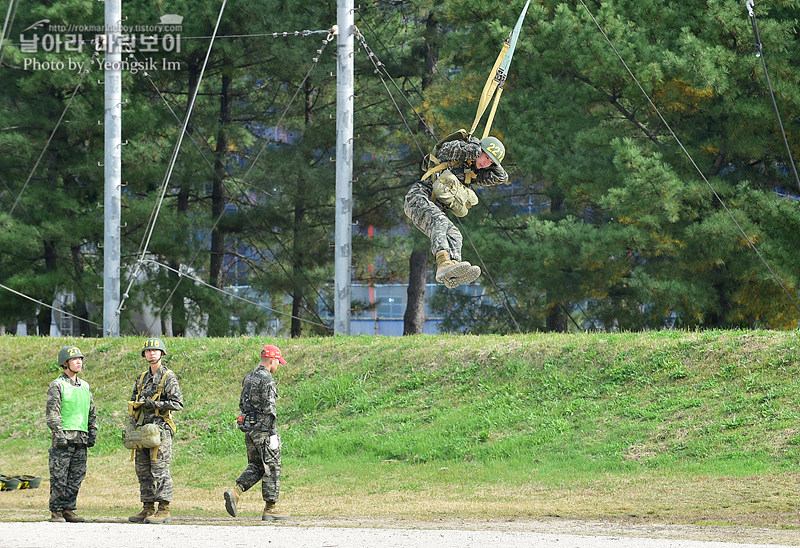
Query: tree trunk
{"x": 218, "y": 189}
{"x": 299, "y": 254}
{"x": 218, "y": 194}
{"x": 43, "y": 318}
{"x": 414, "y": 317}
{"x": 178, "y": 314}
{"x": 556, "y": 319}
{"x": 299, "y": 248}
{"x": 80, "y": 304}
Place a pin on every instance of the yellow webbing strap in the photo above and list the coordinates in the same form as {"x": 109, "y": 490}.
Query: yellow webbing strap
{"x": 134, "y": 407}
{"x": 438, "y": 166}
{"x": 139, "y": 383}
{"x": 489, "y": 88}
{"x": 491, "y": 113}
{"x": 468, "y": 176}
{"x": 166, "y": 415}
{"x": 153, "y": 454}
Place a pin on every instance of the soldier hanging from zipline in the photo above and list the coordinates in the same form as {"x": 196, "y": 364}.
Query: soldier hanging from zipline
{"x": 457, "y": 163}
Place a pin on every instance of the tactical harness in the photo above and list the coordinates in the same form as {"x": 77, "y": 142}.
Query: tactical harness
{"x": 446, "y": 188}
{"x": 251, "y": 415}
{"x": 144, "y": 436}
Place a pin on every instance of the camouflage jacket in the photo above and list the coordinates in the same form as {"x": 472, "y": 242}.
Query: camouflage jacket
{"x": 53, "y": 413}
{"x": 464, "y": 154}
{"x": 171, "y": 398}
{"x": 259, "y": 398}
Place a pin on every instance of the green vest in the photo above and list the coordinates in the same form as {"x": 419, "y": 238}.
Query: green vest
{"x": 75, "y": 401}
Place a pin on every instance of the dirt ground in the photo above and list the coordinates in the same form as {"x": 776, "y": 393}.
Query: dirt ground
{"x": 102, "y": 532}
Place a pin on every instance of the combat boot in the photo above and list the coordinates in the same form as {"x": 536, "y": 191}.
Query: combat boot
{"x": 162, "y": 516}
{"x": 57, "y": 517}
{"x": 72, "y": 517}
{"x": 148, "y": 509}
{"x": 271, "y": 514}
{"x": 231, "y": 498}
{"x": 454, "y": 273}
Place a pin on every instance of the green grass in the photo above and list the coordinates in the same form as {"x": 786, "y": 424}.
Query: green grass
{"x": 451, "y": 419}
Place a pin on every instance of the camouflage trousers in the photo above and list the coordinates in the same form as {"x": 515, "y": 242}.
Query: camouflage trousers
{"x": 155, "y": 481}
{"x": 67, "y": 470}
{"x": 262, "y": 464}
{"x": 429, "y": 218}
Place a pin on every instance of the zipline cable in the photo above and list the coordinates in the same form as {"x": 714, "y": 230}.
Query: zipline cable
{"x": 168, "y": 175}
{"x": 760, "y": 54}
{"x": 689, "y": 156}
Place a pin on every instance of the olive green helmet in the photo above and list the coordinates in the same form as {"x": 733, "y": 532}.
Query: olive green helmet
{"x": 154, "y": 343}
{"x": 67, "y": 353}
{"x": 494, "y": 149}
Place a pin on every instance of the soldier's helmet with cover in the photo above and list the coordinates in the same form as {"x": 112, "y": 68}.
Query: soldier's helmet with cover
{"x": 154, "y": 343}
{"x": 494, "y": 149}
{"x": 67, "y": 353}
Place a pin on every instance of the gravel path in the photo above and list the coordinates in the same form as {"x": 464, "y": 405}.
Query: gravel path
{"x": 176, "y": 535}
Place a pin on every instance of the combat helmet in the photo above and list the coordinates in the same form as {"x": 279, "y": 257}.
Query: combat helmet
{"x": 494, "y": 149}
{"x": 154, "y": 343}
{"x": 67, "y": 353}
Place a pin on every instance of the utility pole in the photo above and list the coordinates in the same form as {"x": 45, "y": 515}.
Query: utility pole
{"x": 112, "y": 211}
{"x": 344, "y": 166}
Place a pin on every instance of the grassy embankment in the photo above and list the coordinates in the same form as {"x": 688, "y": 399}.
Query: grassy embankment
{"x": 689, "y": 427}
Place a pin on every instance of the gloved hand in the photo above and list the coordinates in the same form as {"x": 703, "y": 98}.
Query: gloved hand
{"x": 91, "y": 442}
{"x": 149, "y": 404}
{"x": 273, "y": 442}
{"x": 61, "y": 442}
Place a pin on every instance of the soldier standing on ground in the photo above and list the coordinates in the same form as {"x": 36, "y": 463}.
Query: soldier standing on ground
{"x": 258, "y": 421}
{"x": 455, "y": 165}
{"x": 156, "y": 394}
{"x": 71, "y": 417}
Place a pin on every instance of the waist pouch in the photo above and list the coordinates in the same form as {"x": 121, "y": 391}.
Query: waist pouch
{"x": 146, "y": 436}
{"x": 453, "y": 194}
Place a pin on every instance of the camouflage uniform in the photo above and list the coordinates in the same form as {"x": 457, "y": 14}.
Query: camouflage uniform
{"x": 67, "y": 466}
{"x": 258, "y": 403}
{"x": 155, "y": 481}
{"x": 430, "y": 216}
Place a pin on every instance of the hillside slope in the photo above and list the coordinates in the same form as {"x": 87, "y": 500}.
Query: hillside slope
{"x": 540, "y": 411}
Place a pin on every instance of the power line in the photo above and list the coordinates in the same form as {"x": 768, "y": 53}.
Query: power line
{"x": 183, "y": 274}
{"x": 15, "y": 292}
{"x": 302, "y": 33}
